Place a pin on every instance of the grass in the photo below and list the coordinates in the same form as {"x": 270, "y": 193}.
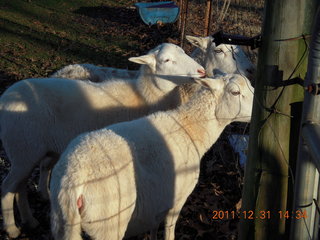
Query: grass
{"x": 37, "y": 37}
{"x": 40, "y": 36}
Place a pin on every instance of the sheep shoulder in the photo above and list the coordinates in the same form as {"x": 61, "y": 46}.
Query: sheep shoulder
{"x": 115, "y": 92}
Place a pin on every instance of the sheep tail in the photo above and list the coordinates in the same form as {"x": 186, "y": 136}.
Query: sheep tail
{"x": 66, "y": 208}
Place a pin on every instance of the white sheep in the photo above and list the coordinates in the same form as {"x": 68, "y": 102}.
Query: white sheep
{"x": 125, "y": 179}
{"x": 224, "y": 58}
{"x": 94, "y": 73}
{"x": 38, "y": 117}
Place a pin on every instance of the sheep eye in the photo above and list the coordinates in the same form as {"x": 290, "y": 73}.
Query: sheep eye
{"x": 218, "y": 51}
{"x": 167, "y": 60}
{"x": 235, "y": 93}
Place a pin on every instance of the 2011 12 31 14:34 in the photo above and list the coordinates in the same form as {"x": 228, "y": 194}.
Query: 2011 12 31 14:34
{"x": 250, "y": 214}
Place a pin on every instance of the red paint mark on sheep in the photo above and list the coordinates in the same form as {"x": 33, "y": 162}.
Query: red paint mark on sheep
{"x": 80, "y": 203}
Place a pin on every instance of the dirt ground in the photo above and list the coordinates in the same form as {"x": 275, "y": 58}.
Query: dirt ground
{"x": 220, "y": 184}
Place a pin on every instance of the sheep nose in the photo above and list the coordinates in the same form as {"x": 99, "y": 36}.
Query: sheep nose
{"x": 202, "y": 72}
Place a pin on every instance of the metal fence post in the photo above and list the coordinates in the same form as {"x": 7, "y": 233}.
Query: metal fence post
{"x": 307, "y": 179}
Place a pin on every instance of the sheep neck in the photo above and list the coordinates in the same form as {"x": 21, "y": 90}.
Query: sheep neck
{"x": 198, "y": 120}
{"x": 147, "y": 87}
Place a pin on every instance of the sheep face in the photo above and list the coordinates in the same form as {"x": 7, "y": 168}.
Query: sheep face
{"x": 229, "y": 59}
{"x": 171, "y": 66}
{"x": 234, "y": 97}
{"x": 223, "y": 58}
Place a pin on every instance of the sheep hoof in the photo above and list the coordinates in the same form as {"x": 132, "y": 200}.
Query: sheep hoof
{"x": 13, "y": 231}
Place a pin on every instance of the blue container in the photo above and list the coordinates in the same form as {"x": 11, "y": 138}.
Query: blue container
{"x": 158, "y": 12}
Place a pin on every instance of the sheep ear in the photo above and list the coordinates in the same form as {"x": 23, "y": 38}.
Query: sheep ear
{"x": 200, "y": 42}
{"x": 148, "y": 59}
{"x": 203, "y": 82}
{"x": 211, "y": 83}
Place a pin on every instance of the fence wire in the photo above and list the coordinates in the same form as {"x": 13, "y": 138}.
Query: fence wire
{"x": 243, "y": 18}
{"x": 274, "y": 111}
{"x": 239, "y": 17}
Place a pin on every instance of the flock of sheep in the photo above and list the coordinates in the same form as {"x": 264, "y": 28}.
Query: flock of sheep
{"x": 124, "y": 146}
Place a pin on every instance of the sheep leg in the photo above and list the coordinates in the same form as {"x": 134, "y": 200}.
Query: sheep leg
{"x": 65, "y": 226}
{"x": 8, "y": 215}
{"x": 45, "y": 169}
{"x": 9, "y": 187}
{"x": 72, "y": 233}
{"x": 170, "y": 221}
{"x": 43, "y": 186}
{"x": 24, "y": 209}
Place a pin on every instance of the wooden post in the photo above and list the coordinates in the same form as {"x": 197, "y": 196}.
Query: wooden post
{"x": 273, "y": 141}
{"x": 207, "y": 19}
{"x": 181, "y": 6}
{"x": 183, "y": 21}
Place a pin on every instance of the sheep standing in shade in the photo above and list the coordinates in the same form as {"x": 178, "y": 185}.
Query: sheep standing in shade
{"x": 38, "y": 117}
{"x": 125, "y": 179}
{"x": 222, "y": 59}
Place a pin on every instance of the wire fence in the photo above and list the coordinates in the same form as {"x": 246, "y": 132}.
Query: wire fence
{"x": 239, "y": 17}
{"x": 273, "y": 111}
{"x": 245, "y": 18}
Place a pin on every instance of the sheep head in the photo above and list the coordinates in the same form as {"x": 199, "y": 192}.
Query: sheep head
{"x": 170, "y": 66}
{"x": 223, "y": 58}
{"x": 234, "y": 97}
